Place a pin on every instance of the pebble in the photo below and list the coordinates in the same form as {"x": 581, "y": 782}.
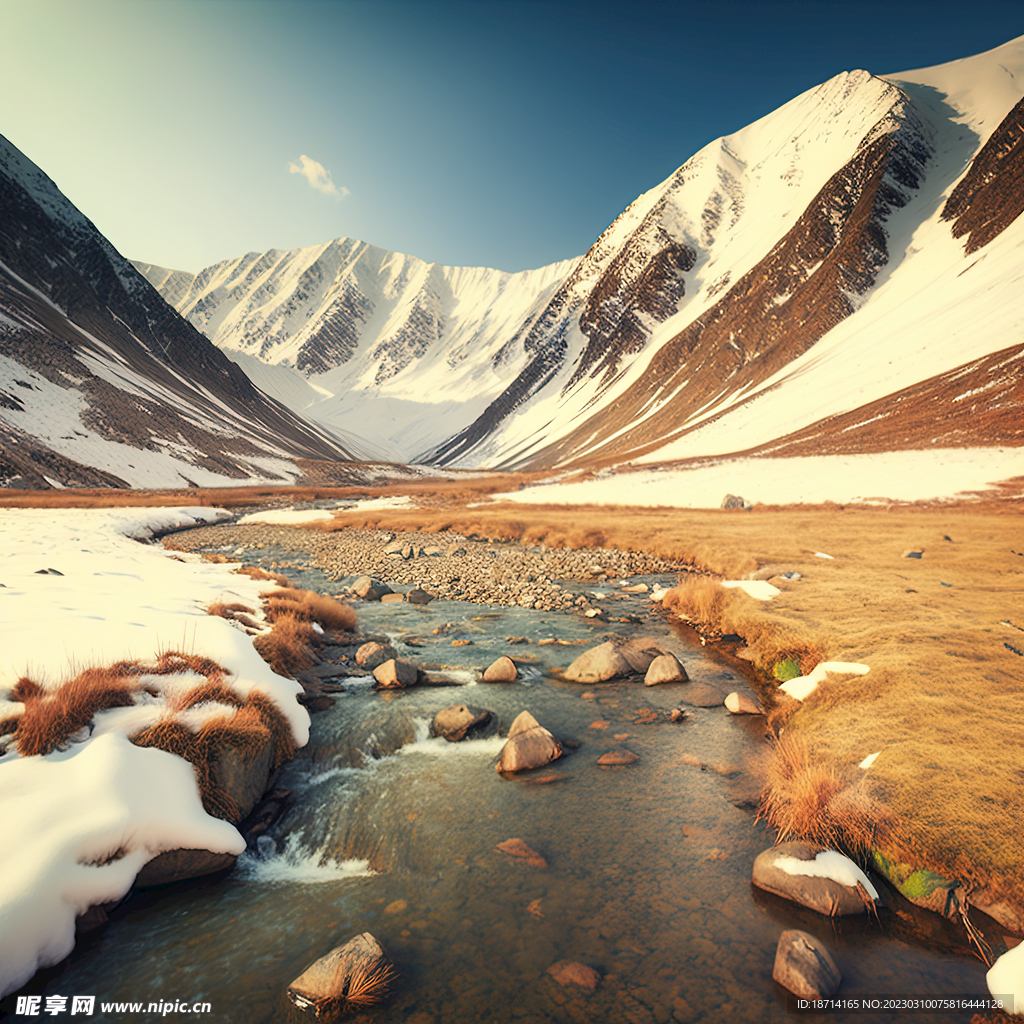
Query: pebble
{"x": 506, "y": 574}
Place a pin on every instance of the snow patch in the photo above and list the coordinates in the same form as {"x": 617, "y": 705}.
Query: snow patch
{"x": 828, "y": 864}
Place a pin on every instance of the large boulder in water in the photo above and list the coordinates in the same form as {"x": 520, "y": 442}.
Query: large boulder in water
{"x": 395, "y": 674}
{"x": 350, "y": 977}
{"x": 501, "y": 671}
{"x": 529, "y": 745}
{"x": 640, "y": 652}
{"x": 370, "y": 589}
{"x": 823, "y": 880}
{"x": 598, "y": 665}
{"x": 462, "y": 720}
{"x": 665, "y": 669}
{"x": 374, "y": 653}
{"x": 803, "y": 965}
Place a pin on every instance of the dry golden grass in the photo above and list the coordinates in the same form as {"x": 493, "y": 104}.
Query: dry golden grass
{"x": 52, "y": 717}
{"x": 808, "y": 797}
{"x": 289, "y": 646}
{"x": 228, "y": 611}
{"x": 256, "y": 722}
{"x": 256, "y": 573}
{"x": 308, "y": 606}
{"x": 942, "y": 700}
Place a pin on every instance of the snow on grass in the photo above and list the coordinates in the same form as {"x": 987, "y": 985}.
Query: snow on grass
{"x": 287, "y": 516}
{"x": 67, "y": 812}
{"x": 762, "y": 590}
{"x": 846, "y": 479}
{"x": 803, "y": 686}
{"x": 828, "y": 864}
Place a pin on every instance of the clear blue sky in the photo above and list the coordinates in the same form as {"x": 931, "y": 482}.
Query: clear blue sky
{"x": 505, "y": 134}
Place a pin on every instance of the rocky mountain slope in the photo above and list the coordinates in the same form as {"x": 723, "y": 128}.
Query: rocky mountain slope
{"x": 103, "y": 384}
{"x": 841, "y": 275}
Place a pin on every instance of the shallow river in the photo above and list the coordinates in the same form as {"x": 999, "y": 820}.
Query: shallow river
{"x": 647, "y": 877}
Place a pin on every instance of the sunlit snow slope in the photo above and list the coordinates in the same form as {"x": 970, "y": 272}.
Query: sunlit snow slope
{"x": 843, "y": 275}
{"x": 102, "y": 383}
{"x": 363, "y": 339}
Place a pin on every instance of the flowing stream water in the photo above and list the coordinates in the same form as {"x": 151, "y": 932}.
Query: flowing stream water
{"x": 648, "y": 865}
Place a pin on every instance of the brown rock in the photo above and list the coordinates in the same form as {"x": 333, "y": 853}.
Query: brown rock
{"x": 529, "y": 745}
{"x": 370, "y": 589}
{"x": 741, "y": 704}
{"x": 396, "y": 907}
{"x": 640, "y": 652}
{"x": 569, "y": 972}
{"x": 373, "y": 653}
{"x": 618, "y": 757}
{"x": 178, "y": 865}
{"x": 517, "y": 848}
{"x": 419, "y": 596}
{"x": 392, "y": 598}
{"x": 803, "y": 965}
{"x": 824, "y": 895}
{"x": 700, "y": 695}
{"x": 350, "y": 976}
{"x": 665, "y": 669}
{"x": 598, "y": 665}
{"x": 501, "y": 671}
{"x": 395, "y": 674}
{"x": 458, "y": 721}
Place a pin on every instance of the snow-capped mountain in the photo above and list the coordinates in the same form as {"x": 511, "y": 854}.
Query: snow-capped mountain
{"x": 102, "y": 383}
{"x": 365, "y": 339}
{"x": 844, "y": 274}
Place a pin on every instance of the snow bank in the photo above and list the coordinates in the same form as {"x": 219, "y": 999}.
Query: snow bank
{"x": 78, "y": 591}
{"x": 828, "y": 864}
{"x": 845, "y": 479}
{"x": 287, "y": 516}
{"x": 760, "y": 589}
{"x": 70, "y": 809}
{"x": 803, "y": 686}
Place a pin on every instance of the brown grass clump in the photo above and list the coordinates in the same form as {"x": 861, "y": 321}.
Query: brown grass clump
{"x": 51, "y": 718}
{"x": 702, "y": 601}
{"x": 367, "y": 986}
{"x": 210, "y": 692}
{"x": 808, "y": 797}
{"x": 176, "y": 738}
{"x": 288, "y": 647}
{"x": 228, "y": 611}
{"x": 257, "y": 722}
{"x": 256, "y": 573}
{"x": 308, "y": 606}
{"x": 270, "y": 716}
{"x": 175, "y": 663}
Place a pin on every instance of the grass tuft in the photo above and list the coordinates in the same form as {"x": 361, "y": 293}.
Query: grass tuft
{"x": 308, "y": 606}
{"x": 228, "y": 611}
{"x": 807, "y": 797}
{"x": 288, "y": 647}
{"x": 51, "y": 718}
{"x": 256, "y": 573}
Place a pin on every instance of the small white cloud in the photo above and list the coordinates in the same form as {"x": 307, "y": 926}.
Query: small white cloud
{"x": 318, "y": 176}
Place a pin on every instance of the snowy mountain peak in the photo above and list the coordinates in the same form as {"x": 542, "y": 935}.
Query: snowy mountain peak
{"x": 763, "y": 262}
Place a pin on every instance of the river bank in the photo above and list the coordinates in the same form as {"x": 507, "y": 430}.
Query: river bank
{"x": 924, "y": 596}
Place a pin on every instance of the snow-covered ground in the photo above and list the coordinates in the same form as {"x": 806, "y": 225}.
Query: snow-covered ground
{"x": 114, "y": 599}
{"x": 845, "y": 479}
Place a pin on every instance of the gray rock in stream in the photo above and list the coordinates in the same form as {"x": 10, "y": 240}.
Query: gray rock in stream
{"x": 461, "y": 721}
{"x": 598, "y": 665}
{"x": 529, "y": 745}
{"x": 803, "y": 965}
